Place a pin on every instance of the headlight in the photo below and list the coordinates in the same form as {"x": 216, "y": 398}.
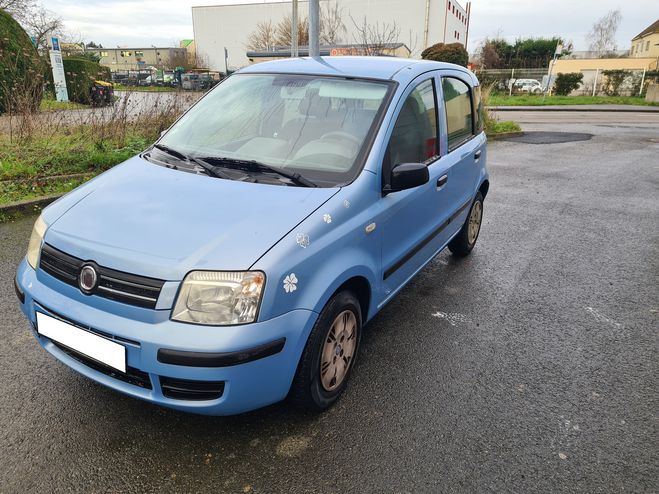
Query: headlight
{"x": 34, "y": 247}
{"x": 219, "y": 298}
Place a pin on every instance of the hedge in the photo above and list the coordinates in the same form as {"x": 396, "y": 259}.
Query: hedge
{"x": 80, "y": 76}
{"x": 21, "y": 68}
{"x": 449, "y": 52}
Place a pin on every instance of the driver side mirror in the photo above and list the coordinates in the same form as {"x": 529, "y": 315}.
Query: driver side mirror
{"x": 407, "y": 176}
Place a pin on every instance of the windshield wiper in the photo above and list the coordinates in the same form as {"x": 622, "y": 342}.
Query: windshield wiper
{"x": 207, "y": 167}
{"x": 252, "y": 165}
{"x": 170, "y": 151}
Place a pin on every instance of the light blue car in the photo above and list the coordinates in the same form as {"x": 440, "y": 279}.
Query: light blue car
{"x": 236, "y": 261}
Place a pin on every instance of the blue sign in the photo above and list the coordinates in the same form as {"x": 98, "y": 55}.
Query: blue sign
{"x": 55, "y": 42}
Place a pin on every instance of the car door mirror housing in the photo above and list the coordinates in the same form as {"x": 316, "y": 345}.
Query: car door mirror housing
{"x": 407, "y": 176}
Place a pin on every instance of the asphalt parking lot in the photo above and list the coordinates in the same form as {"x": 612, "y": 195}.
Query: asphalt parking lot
{"x": 530, "y": 366}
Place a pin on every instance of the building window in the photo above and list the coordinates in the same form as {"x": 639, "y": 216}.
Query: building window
{"x": 647, "y": 45}
{"x": 139, "y": 53}
{"x": 126, "y": 53}
{"x": 104, "y": 54}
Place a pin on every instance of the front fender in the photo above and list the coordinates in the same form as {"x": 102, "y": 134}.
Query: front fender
{"x": 328, "y": 248}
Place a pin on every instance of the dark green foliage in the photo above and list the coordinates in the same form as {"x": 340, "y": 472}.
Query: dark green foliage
{"x": 567, "y": 82}
{"x": 614, "y": 80}
{"x": 21, "y": 68}
{"x": 80, "y": 76}
{"x": 530, "y": 53}
{"x": 451, "y": 53}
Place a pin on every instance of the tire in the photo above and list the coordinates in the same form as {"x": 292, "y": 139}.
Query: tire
{"x": 312, "y": 389}
{"x": 464, "y": 242}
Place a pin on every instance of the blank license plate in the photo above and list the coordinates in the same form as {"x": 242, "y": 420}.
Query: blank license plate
{"x": 89, "y": 344}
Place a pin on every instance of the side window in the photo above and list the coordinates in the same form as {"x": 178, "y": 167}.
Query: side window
{"x": 459, "y": 117}
{"x": 414, "y": 138}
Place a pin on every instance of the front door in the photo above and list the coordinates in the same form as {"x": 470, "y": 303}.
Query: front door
{"x": 413, "y": 219}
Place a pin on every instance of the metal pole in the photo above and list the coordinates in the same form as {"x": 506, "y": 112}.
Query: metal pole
{"x": 640, "y": 91}
{"x": 511, "y": 82}
{"x": 294, "y": 47}
{"x": 314, "y": 28}
{"x": 597, "y": 72}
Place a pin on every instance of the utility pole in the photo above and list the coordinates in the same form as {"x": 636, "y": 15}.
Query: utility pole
{"x": 314, "y": 28}
{"x": 294, "y": 47}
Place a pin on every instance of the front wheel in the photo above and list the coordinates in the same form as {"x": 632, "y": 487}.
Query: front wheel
{"x": 329, "y": 355}
{"x": 463, "y": 243}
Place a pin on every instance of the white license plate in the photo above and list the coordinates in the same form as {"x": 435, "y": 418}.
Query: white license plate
{"x": 89, "y": 344}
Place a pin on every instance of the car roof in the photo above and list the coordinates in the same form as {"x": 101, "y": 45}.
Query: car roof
{"x": 392, "y": 68}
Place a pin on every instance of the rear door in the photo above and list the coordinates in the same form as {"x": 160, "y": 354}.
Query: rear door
{"x": 464, "y": 141}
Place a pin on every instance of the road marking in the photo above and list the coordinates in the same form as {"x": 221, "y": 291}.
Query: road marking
{"x": 602, "y": 318}
{"x": 453, "y": 318}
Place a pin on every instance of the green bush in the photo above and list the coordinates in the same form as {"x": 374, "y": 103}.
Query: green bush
{"x": 21, "y": 68}
{"x": 451, "y": 53}
{"x": 80, "y": 76}
{"x": 567, "y": 82}
{"x": 614, "y": 80}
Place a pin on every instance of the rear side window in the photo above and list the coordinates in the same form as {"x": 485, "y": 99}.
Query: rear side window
{"x": 414, "y": 137}
{"x": 459, "y": 116}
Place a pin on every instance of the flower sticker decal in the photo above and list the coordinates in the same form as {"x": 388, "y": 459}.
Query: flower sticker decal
{"x": 346, "y": 203}
{"x": 327, "y": 218}
{"x": 303, "y": 240}
{"x": 290, "y": 283}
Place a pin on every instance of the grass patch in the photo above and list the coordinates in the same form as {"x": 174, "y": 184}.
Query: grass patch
{"x": 537, "y": 100}
{"x": 145, "y": 89}
{"x": 54, "y": 105}
{"x": 494, "y": 127}
{"x": 33, "y": 189}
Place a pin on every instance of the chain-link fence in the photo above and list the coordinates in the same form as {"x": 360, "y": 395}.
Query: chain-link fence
{"x": 596, "y": 82}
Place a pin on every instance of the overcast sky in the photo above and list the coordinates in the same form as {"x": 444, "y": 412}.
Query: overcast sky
{"x": 158, "y": 22}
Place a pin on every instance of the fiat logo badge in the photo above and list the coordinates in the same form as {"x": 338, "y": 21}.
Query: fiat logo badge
{"x": 87, "y": 279}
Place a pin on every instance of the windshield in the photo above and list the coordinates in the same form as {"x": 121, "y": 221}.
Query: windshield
{"x": 314, "y": 126}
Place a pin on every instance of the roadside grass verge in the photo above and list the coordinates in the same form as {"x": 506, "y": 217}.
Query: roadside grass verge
{"x": 495, "y": 127}
{"x": 537, "y": 100}
{"x": 54, "y": 105}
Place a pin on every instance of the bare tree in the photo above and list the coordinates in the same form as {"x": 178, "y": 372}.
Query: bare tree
{"x": 375, "y": 38}
{"x": 18, "y": 9}
{"x": 284, "y": 30}
{"x": 267, "y": 36}
{"x": 331, "y": 23}
{"x": 263, "y": 37}
{"x": 41, "y": 24}
{"x": 602, "y": 36}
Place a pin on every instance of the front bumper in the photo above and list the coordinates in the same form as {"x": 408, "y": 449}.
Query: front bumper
{"x": 254, "y": 364}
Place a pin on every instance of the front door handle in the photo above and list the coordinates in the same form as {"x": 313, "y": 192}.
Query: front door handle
{"x": 477, "y": 155}
{"x": 441, "y": 181}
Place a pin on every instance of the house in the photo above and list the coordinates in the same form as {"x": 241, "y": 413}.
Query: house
{"x": 646, "y": 43}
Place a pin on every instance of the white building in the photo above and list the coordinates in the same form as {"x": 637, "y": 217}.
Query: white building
{"x": 421, "y": 23}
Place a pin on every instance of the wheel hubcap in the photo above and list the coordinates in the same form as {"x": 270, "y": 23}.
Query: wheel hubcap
{"x": 338, "y": 350}
{"x": 475, "y": 222}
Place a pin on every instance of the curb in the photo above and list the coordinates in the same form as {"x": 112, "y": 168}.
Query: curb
{"x": 14, "y": 209}
{"x": 632, "y": 109}
{"x": 504, "y": 135}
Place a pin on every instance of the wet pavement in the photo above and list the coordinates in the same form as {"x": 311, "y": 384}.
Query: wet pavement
{"x": 529, "y": 366}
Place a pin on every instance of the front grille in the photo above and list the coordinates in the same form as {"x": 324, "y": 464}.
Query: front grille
{"x": 181, "y": 389}
{"x": 114, "y": 285}
{"x": 132, "y": 376}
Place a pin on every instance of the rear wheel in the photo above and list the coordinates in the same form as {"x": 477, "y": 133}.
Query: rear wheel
{"x": 329, "y": 355}
{"x": 463, "y": 243}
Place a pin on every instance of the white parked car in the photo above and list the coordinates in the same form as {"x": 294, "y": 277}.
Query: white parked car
{"x": 531, "y": 86}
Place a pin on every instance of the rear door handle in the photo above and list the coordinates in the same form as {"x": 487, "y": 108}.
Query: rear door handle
{"x": 441, "y": 181}
{"x": 477, "y": 155}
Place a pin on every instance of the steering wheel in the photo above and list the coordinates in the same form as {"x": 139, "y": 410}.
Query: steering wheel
{"x": 339, "y": 134}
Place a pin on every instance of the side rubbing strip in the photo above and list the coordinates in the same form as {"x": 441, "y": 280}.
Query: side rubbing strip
{"x": 224, "y": 359}
{"x": 410, "y": 254}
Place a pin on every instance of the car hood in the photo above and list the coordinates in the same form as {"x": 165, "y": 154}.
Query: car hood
{"x": 154, "y": 221}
